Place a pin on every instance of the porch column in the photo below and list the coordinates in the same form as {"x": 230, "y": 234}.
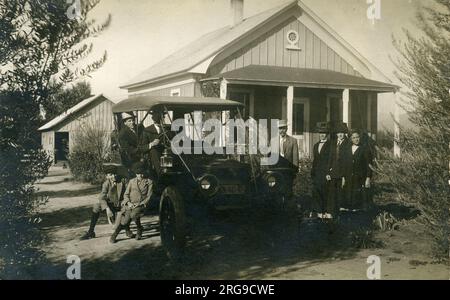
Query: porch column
{"x": 290, "y": 107}
{"x": 397, "y": 151}
{"x": 369, "y": 114}
{"x": 223, "y": 88}
{"x": 225, "y": 115}
{"x": 346, "y": 106}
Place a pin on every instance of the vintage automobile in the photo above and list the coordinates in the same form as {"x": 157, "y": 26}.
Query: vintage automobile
{"x": 191, "y": 185}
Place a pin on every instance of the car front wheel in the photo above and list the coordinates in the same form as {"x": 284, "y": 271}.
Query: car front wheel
{"x": 172, "y": 219}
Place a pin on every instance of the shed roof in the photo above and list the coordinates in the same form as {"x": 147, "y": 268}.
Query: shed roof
{"x": 304, "y": 77}
{"x": 70, "y": 112}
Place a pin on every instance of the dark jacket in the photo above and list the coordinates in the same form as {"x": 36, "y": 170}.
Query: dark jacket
{"x": 319, "y": 168}
{"x": 357, "y": 164}
{"x": 290, "y": 150}
{"x": 150, "y": 134}
{"x": 129, "y": 145}
{"x": 336, "y": 160}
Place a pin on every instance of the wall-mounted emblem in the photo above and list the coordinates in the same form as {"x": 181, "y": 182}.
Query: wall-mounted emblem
{"x": 292, "y": 38}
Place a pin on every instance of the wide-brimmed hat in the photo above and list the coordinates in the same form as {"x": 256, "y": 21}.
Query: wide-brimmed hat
{"x": 338, "y": 127}
{"x": 282, "y": 124}
{"x": 125, "y": 116}
{"x": 322, "y": 127}
{"x": 139, "y": 168}
{"x": 110, "y": 169}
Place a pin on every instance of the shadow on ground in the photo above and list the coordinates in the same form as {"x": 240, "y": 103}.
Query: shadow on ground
{"x": 234, "y": 247}
{"x": 70, "y": 193}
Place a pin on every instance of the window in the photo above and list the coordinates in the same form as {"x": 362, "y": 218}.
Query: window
{"x": 298, "y": 127}
{"x": 243, "y": 98}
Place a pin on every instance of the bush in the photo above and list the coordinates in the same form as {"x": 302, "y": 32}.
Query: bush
{"x": 303, "y": 182}
{"x": 19, "y": 236}
{"x": 91, "y": 149}
{"x": 419, "y": 179}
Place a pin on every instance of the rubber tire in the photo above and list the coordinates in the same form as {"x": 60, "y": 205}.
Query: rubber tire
{"x": 172, "y": 222}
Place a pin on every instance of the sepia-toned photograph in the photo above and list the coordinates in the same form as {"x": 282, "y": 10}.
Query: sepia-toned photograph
{"x": 225, "y": 140}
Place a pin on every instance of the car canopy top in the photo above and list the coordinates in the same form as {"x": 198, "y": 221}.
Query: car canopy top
{"x": 160, "y": 103}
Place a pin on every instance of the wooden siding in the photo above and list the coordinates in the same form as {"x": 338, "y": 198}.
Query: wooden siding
{"x": 48, "y": 143}
{"x": 270, "y": 49}
{"x": 97, "y": 115}
{"x": 187, "y": 90}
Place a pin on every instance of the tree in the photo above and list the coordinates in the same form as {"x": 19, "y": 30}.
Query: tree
{"x": 41, "y": 49}
{"x": 64, "y": 98}
{"x": 421, "y": 175}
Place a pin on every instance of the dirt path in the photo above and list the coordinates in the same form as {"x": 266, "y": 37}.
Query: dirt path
{"x": 225, "y": 252}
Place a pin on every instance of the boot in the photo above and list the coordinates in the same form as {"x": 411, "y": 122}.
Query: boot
{"x": 139, "y": 229}
{"x": 116, "y": 232}
{"x": 139, "y": 233}
{"x": 128, "y": 232}
{"x": 90, "y": 234}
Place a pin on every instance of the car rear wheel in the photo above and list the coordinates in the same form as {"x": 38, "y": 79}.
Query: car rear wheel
{"x": 172, "y": 220}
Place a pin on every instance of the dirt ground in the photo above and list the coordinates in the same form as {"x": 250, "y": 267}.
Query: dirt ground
{"x": 223, "y": 250}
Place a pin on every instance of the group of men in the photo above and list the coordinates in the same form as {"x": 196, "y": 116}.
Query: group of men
{"x": 341, "y": 170}
{"x": 341, "y": 173}
{"x": 126, "y": 201}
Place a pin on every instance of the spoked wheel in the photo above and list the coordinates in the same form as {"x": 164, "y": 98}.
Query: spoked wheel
{"x": 172, "y": 219}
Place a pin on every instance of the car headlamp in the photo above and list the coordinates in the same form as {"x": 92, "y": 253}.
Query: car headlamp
{"x": 209, "y": 185}
{"x": 205, "y": 184}
{"x": 271, "y": 181}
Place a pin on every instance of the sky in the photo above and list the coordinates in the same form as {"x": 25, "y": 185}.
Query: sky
{"x": 143, "y": 32}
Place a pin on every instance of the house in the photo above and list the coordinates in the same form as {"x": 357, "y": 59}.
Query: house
{"x": 58, "y": 135}
{"x": 284, "y": 63}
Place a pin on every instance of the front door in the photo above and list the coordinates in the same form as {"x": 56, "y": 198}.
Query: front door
{"x": 61, "y": 146}
{"x": 244, "y": 96}
{"x": 299, "y": 122}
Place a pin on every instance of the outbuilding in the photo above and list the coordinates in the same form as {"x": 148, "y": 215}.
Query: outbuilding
{"x": 58, "y": 135}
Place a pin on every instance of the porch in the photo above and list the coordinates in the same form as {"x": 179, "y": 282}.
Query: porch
{"x": 305, "y": 97}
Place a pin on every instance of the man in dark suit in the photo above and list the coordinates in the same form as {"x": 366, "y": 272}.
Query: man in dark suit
{"x": 288, "y": 146}
{"x": 336, "y": 164}
{"x": 129, "y": 141}
{"x": 152, "y": 137}
{"x": 357, "y": 172}
{"x": 319, "y": 170}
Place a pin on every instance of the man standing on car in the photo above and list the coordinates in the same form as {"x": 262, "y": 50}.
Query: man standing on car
{"x": 129, "y": 141}
{"x": 153, "y": 138}
{"x": 335, "y": 175}
{"x": 110, "y": 198}
{"x": 136, "y": 198}
{"x": 319, "y": 170}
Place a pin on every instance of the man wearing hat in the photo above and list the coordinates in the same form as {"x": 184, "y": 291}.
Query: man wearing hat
{"x": 336, "y": 168}
{"x": 288, "y": 146}
{"x": 110, "y": 198}
{"x": 153, "y": 138}
{"x": 136, "y": 198}
{"x": 319, "y": 170}
{"x": 129, "y": 140}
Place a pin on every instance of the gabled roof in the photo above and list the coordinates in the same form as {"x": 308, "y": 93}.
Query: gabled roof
{"x": 205, "y": 47}
{"x": 315, "y": 78}
{"x": 70, "y": 112}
